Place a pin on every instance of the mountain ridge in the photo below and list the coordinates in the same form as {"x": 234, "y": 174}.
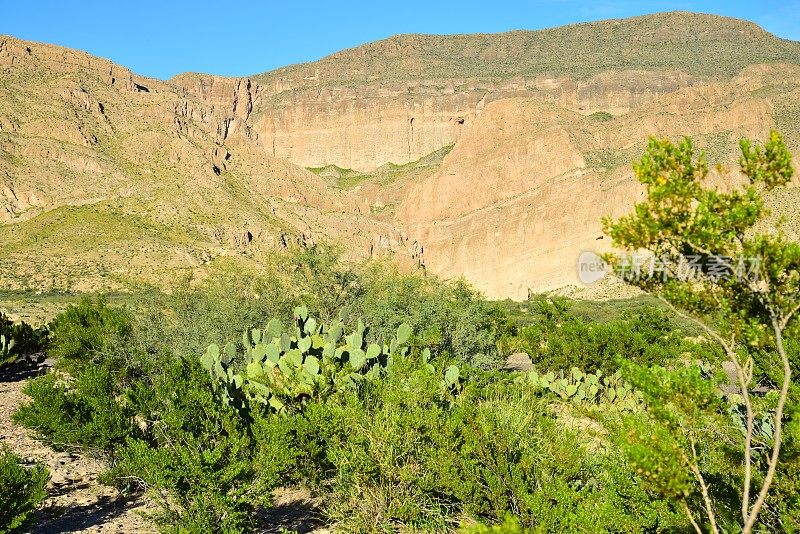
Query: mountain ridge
{"x": 679, "y": 21}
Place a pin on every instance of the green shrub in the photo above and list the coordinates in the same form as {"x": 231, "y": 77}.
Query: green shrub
{"x": 190, "y": 318}
{"x": 452, "y": 320}
{"x": 406, "y": 451}
{"x": 89, "y": 333}
{"x": 83, "y": 411}
{"x": 601, "y": 116}
{"x": 21, "y": 490}
{"x": 689, "y": 424}
{"x": 509, "y": 526}
{"x": 557, "y": 339}
{"x": 195, "y": 449}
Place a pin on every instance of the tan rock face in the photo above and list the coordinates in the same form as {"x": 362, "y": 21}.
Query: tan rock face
{"x": 357, "y": 129}
{"x": 363, "y": 128}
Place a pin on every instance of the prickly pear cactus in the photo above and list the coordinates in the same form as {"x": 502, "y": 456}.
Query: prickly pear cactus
{"x": 6, "y": 346}
{"x": 278, "y": 367}
{"x": 581, "y": 387}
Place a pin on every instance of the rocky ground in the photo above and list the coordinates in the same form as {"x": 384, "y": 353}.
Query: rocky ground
{"x": 78, "y": 502}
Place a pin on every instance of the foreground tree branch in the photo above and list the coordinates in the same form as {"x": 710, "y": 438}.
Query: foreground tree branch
{"x": 684, "y": 222}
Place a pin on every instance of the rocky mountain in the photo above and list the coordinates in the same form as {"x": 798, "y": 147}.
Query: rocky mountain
{"x": 488, "y": 156}
{"x": 109, "y": 179}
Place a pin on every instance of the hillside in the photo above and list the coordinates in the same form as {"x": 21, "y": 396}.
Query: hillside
{"x": 108, "y": 179}
{"x": 488, "y": 156}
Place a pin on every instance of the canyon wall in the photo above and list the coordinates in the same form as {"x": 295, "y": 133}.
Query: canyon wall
{"x": 513, "y": 215}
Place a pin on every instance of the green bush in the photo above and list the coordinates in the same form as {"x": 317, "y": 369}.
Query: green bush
{"x": 557, "y": 339}
{"x": 509, "y": 526}
{"x": 21, "y": 490}
{"x": 408, "y": 451}
{"x": 688, "y": 422}
{"x": 90, "y": 332}
{"x": 452, "y": 320}
{"x": 195, "y": 449}
{"x": 601, "y": 116}
{"x": 83, "y": 411}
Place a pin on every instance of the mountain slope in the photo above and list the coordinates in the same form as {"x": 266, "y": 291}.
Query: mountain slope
{"x": 514, "y": 214}
{"x": 694, "y": 43}
{"x": 397, "y": 100}
{"x": 107, "y": 178}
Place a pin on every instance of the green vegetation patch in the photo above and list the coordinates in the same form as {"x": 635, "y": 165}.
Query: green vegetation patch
{"x": 384, "y": 175}
{"x": 22, "y": 490}
{"x": 601, "y": 116}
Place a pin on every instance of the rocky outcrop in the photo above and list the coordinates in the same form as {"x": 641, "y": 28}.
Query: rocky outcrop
{"x": 365, "y": 127}
{"x": 224, "y": 103}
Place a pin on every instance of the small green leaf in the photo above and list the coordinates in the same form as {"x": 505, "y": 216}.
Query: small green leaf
{"x": 272, "y": 352}
{"x": 286, "y": 342}
{"x": 254, "y": 370}
{"x": 294, "y": 357}
{"x": 357, "y": 359}
{"x": 304, "y": 344}
{"x": 317, "y": 341}
{"x": 211, "y": 355}
{"x": 311, "y": 326}
{"x": 273, "y": 329}
{"x": 311, "y": 365}
{"x": 229, "y": 353}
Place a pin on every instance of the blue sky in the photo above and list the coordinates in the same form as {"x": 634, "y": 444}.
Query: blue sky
{"x": 163, "y": 38}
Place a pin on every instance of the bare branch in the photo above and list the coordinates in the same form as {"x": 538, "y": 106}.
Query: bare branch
{"x": 772, "y": 462}
{"x": 712, "y": 519}
{"x": 691, "y": 517}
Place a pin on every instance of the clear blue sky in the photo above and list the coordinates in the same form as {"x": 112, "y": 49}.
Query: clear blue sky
{"x": 162, "y": 38}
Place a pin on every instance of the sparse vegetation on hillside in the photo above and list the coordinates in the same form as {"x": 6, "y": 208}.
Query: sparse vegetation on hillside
{"x": 384, "y": 175}
{"x": 664, "y": 41}
{"x": 601, "y": 116}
